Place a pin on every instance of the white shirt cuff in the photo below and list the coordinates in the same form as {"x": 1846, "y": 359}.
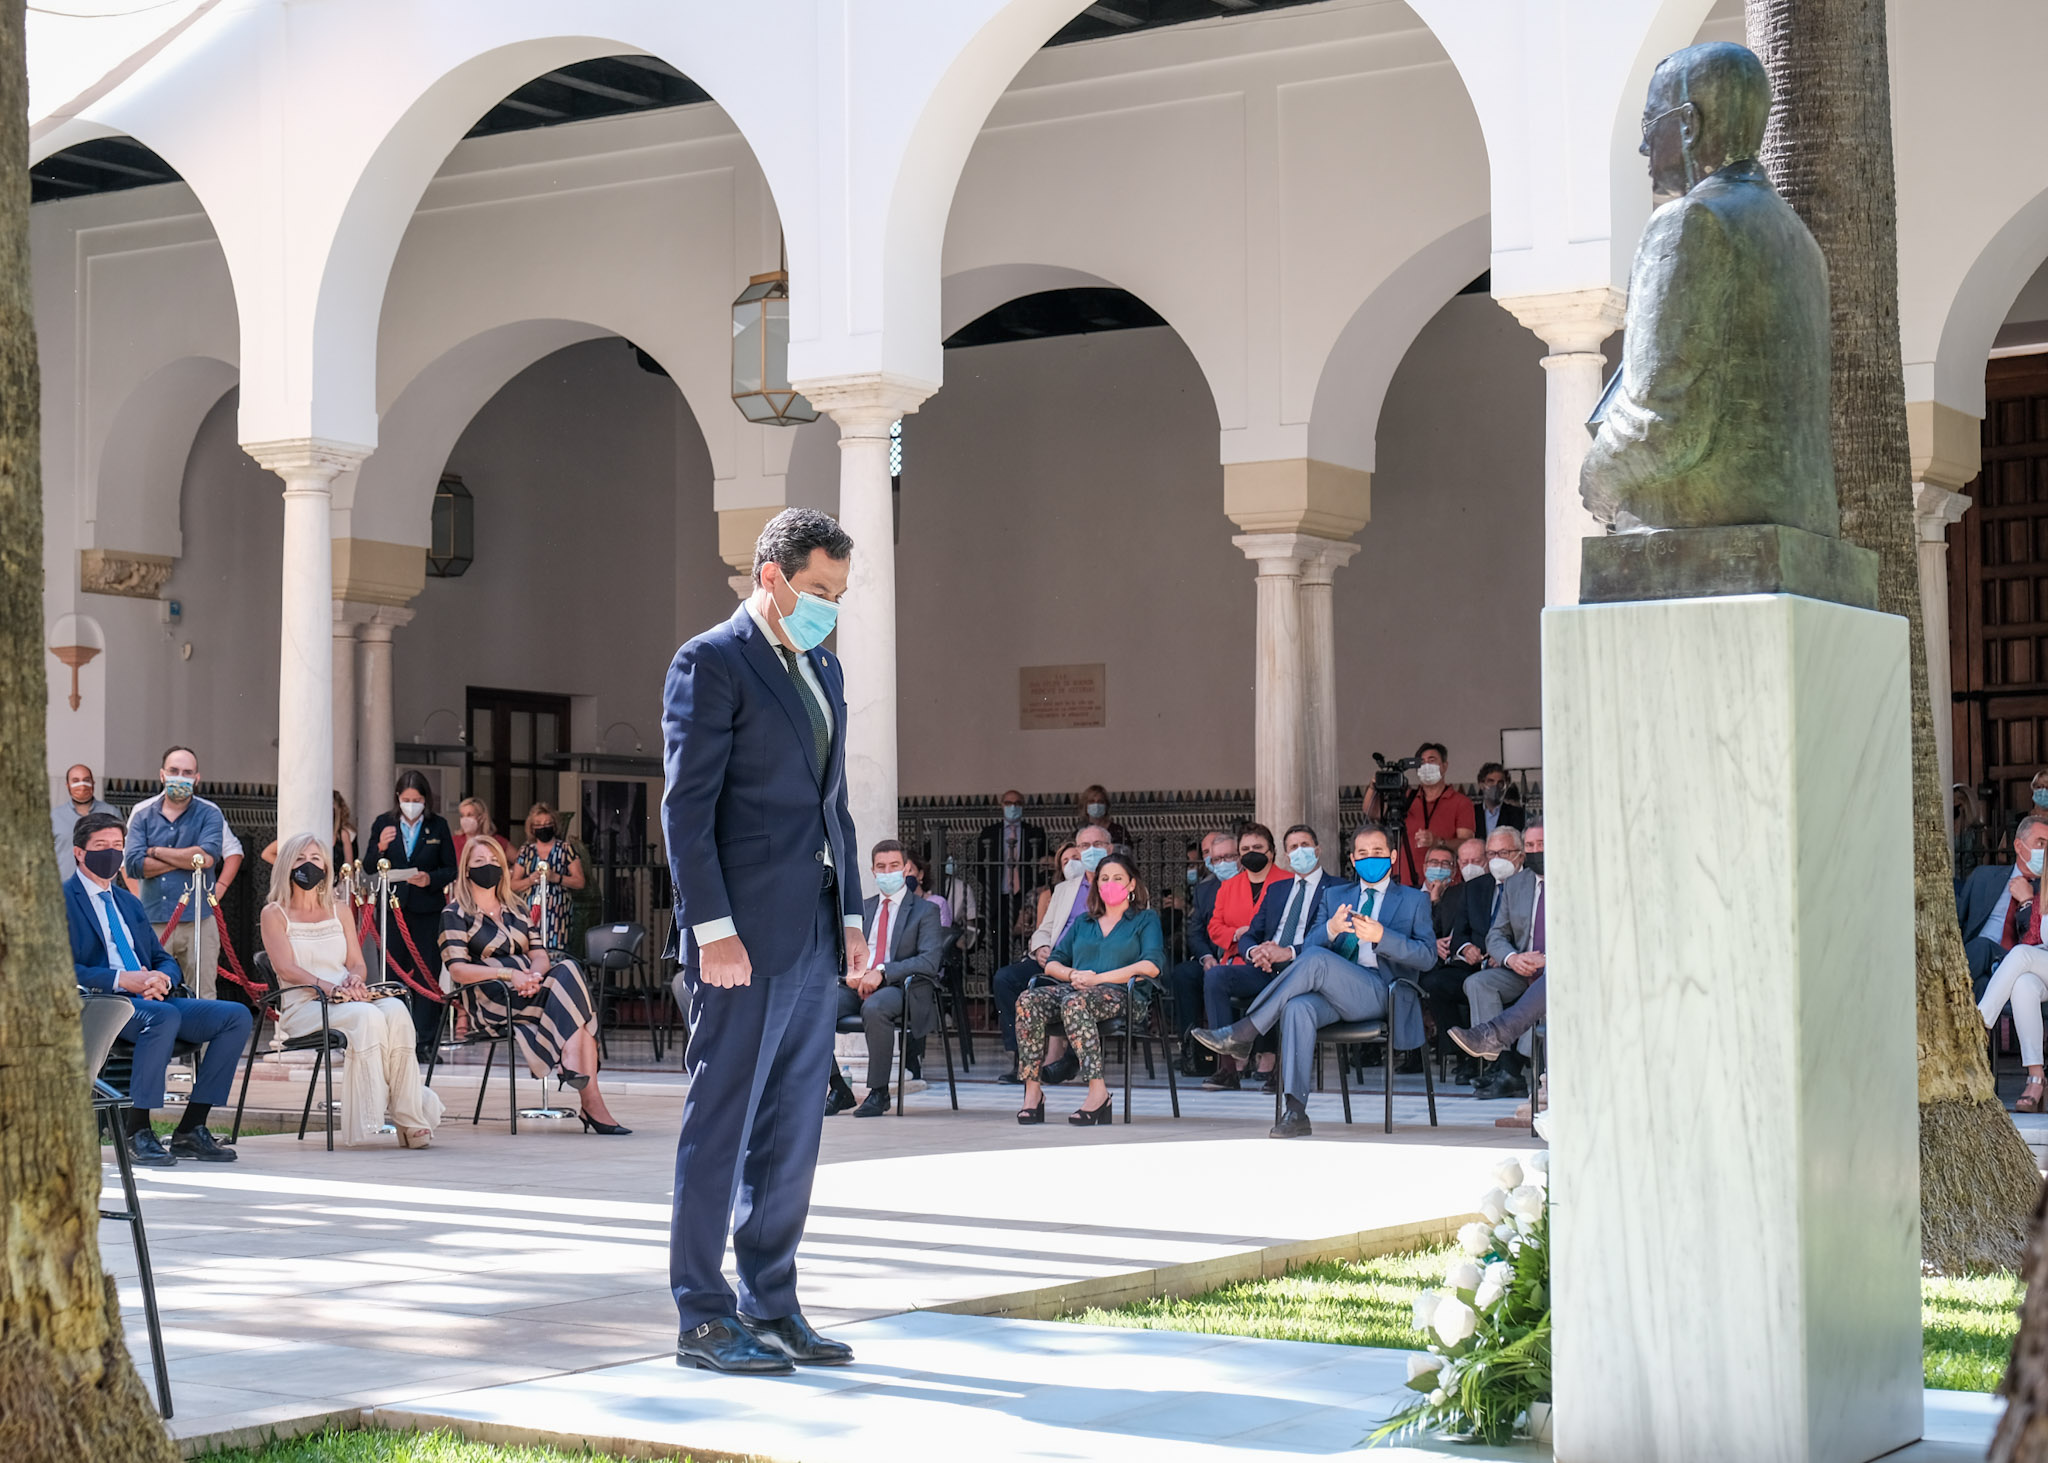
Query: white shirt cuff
{"x": 714, "y": 929}
{"x": 854, "y": 922}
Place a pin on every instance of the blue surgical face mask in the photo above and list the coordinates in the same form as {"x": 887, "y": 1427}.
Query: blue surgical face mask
{"x": 890, "y": 883}
{"x": 1012, "y": 812}
{"x": 1224, "y": 868}
{"x": 1372, "y": 870}
{"x": 2041, "y": 797}
{"x": 1436, "y": 874}
{"x": 1194, "y": 876}
{"x": 1091, "y": 858}
{"x": 1302, "y": 860}
{"x": 2034, "y": 862}
{"x": 810, "y": 622}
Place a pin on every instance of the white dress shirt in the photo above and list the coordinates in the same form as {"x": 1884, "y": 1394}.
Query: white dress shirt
{"x": 94, "y": 889}
{"x": 719, "y": 929}
{"x": 1294, "y": 936}
{"x": 1367, "y": 955}
{"x": 885, "y": 911}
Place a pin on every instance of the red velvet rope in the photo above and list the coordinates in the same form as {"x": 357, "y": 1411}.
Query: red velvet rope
{"x": 413, "y": 982}
{"x": 234, "y": 971}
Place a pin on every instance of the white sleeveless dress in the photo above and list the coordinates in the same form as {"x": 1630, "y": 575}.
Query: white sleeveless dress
{"x": 379, "y": 1072}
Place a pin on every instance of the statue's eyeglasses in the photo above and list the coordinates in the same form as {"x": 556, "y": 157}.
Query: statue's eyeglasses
{"x": 1650, "y": 123}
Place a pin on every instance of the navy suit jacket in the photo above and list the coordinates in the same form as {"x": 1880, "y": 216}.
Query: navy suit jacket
{"x": 747, "y": 808}
{"x": 89, "y": 953}
{"x": 1406, "y": 949}
{"x": 1265, "y": 925}
{"x": 1978, "y": 895}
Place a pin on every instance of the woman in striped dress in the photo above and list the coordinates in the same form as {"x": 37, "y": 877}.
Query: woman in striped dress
{"x": 484, "y": 945}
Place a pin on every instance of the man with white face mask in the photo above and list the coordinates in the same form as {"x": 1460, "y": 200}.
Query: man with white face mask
{"x": 1515, "y": 949}
{"x": 1439, "y": 816}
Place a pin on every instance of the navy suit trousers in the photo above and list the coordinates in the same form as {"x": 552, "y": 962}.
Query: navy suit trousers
{"x": 751, "y": 1125}
{"x": 157, "y": 1026}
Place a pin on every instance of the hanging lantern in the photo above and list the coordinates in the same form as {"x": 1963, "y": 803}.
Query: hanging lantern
{"x": 454, "y": 547}
{"x": 760, "y": 355}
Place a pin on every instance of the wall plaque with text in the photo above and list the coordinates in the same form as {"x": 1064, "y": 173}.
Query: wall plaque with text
{"x": 1060, "y": 697}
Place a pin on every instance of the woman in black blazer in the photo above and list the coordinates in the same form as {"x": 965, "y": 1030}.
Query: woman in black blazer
{"x": 422, "y": 846}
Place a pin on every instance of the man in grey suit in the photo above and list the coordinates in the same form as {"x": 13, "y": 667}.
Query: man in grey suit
{"x": 907, "y": 945}
{"x": 1507, "y": 996}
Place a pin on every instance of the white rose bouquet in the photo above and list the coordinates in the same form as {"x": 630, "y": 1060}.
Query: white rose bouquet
{"x": 1486, "y": 1374}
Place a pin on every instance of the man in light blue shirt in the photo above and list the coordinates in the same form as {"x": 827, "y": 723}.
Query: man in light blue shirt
{"x": 168, "y": 838}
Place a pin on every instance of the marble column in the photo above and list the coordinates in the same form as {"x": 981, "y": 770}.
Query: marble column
{"x": 865, "y": 408}
{"x": 375, "y": 737}
{"x": 305, "y": 683}
{"x": 346, "y": 623}
{"x": 1934, "y": 509}
{"x": 1573, "y": 324}
{"x": 1319, "y": 677}
{"x": 1280, "y": 680}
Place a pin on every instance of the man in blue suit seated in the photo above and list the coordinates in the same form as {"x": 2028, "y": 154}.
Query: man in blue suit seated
{"x": 1368, "y": 932}
{"x": 768, "y": 921}
{"x": 115, "y": 949}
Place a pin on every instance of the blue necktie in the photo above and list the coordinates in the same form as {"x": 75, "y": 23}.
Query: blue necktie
{"x": 118, "y": 927}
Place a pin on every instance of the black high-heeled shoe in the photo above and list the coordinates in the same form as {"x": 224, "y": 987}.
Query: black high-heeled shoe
{"x": 1026, "y": 1116}
{"x": 1095, "y": 1117}
{"x": 610, "y": 1130}
{"x": 574, "y": 1081}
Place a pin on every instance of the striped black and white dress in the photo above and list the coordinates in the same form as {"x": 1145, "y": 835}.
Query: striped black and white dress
{"x": 541, "y": 1023}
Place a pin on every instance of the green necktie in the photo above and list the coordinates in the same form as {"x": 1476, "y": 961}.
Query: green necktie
{"x": 1371, "y": 895}
{"x": 821, "y": 730}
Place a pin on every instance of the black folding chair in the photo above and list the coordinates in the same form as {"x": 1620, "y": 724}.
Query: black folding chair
{"x": 323, "y": 1043}
{"x": 1345, "y": 1035}
{"x": 852, "y": 1024}
{"x": 479, "y": 1035}
{"x": 1141, "y": 1032}
{"x": 107, "y": 1109}
{"x": 608, "y": 952}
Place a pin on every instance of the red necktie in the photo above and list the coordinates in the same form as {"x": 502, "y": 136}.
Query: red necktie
{"x": 881, "y": 935}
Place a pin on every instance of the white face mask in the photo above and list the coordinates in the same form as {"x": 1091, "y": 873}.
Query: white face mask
{"x": 1500, "y": 868}
{"x": 1072, "y": 868}
{"x": 412, "y": 812}
{"x": 1471, "y": 871}
{"x": 1430, "y": 773}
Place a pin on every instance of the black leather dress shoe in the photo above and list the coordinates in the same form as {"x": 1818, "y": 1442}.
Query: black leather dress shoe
{"x": 1292, "y": 1124}
{"x": 1477, "y": 1041}
{"x": 724, "y": 1345}
{"x": 838, "y": 1100}
{"x": 203, "y": 1146}
{"x": 145, "y": 1147}
{"x": 792, "y": 1337}
{"x": 1010, "y": 1078}
{"x": 873, "y": 1105}
{"x": 1222, "y": 1041}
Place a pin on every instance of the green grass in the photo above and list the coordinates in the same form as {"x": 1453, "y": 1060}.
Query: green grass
{"x": 1967, "y": 1326}
{"x": 375, "y": 1445}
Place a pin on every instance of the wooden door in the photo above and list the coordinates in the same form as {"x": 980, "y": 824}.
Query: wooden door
{"x": 517, "y": 740}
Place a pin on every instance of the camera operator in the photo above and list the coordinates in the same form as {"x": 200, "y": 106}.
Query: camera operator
{"x": 1435, "y": 815}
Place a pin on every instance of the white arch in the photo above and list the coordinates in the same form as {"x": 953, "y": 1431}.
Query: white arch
{"x": 142, "y": 461}
{"x": 1344, "y": 423}
{"x": 1982, "y": 299}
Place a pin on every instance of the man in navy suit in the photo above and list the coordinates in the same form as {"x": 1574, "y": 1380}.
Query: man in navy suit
{"x": 114, "y": 948}
{"x": 1370, "y": 931}
{"x": 1278, "y": 929}
{"x": 767, "y": 919}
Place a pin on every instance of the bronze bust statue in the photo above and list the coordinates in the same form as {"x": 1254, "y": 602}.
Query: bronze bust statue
{"x": 1711, "y": 457}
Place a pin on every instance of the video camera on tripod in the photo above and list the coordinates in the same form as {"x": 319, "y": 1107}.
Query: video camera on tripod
{"x": 1393, "y": 791}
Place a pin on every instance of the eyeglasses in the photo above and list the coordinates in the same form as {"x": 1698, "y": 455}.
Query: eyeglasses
{"x": 1651, "y": 122}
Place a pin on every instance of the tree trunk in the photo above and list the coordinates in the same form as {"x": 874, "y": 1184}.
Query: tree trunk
{"x": 1829, "y": 151}
{"x": 68, "y": 1390}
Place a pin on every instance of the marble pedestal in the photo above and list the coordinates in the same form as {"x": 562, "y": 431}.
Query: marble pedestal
{"x": 1735, "y": 1150}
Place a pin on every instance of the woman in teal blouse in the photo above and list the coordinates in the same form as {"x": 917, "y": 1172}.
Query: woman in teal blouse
{"x": 1093, "y": 966}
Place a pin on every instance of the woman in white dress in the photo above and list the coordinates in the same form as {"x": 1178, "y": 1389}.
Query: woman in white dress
{"x": 315, "y": 952}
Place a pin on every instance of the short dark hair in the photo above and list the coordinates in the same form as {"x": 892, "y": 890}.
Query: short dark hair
{"x": 1259, "y": 828}
{"x": 1489, "y": 769}
{"x": 90, "y": 824}
{"x": 1436, "y": 747}
{"x": 179, "y": 748}
{"x": 412, "y": 780}
{"x": 886, "y": 845}
{"x": 1301, "y": 828}
{"x": 788, "y": 538}
{"x": 1371, "y": 827}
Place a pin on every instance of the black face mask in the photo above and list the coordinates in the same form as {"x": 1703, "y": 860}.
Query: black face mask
{"x": 308, "y": 875}
{"x": 543, "y": 833}
{"x": 1533, "y": 862}
{"x": 101, "y": 863}
{"x": 486, "y": 876}
{"x": 1254, "y": 862}
{"x": 910, "y": 882}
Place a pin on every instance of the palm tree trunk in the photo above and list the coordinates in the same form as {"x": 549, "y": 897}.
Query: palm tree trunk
{"x": 1829, "y": 151}
{"x": 68, "y": 1390}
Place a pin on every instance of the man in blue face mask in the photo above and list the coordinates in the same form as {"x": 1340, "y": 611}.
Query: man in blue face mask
{"x": 768, "y": 922}
{"x": 1007, "y": 855}
{"x": 1370, "y": 933}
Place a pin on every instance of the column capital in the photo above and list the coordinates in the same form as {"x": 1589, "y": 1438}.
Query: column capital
{"x": 1321, "y": 566}
{"x": 307, "y": 457}
{"x": 1297, "y": 495}
{"x": 866, "y": 405}
{"x": 1282, "y": 554}
{"x": 383, "y": 619}
{"x": 1570, "y": 321}
{"x": 1934, "y": 509}
{"x": 1947, "y": 445}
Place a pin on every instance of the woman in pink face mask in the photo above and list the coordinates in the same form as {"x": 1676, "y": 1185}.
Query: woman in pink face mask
{"x": 1101, "y": 967}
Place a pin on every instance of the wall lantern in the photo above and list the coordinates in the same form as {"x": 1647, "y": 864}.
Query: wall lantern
{"x": 760, "y": 355}
{"x": 76, "y": 640}
{"x": 454, "y": 538}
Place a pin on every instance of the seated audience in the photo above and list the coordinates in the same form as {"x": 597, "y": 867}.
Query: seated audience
{"x": 1463, "y": 916}
{"x": 1239, "y": 897}
{"x": 317, "y": 958}
{"x": 1278, "y": 930}
{"x": 1095, "y": 809}
{"x": 508, "y": 983}
{"x": 1050, "y": 876}
{"x": 1495, "y": 811}
{"x": 1089, "y": 981}
{"x": 81, "y": 797}
{"x": 114, "y": 950}
{"x": 551, "y": 860}
{"x": 1368, "y": 932}
{"x": 1069, "y": 902}
{"x": 1515, "y": 945}
{"x": 2021, "y": 976}
{"x": 1990, "y": 900}
{"x": 1219, "y": 859}
{"x": 904, "y": 940}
